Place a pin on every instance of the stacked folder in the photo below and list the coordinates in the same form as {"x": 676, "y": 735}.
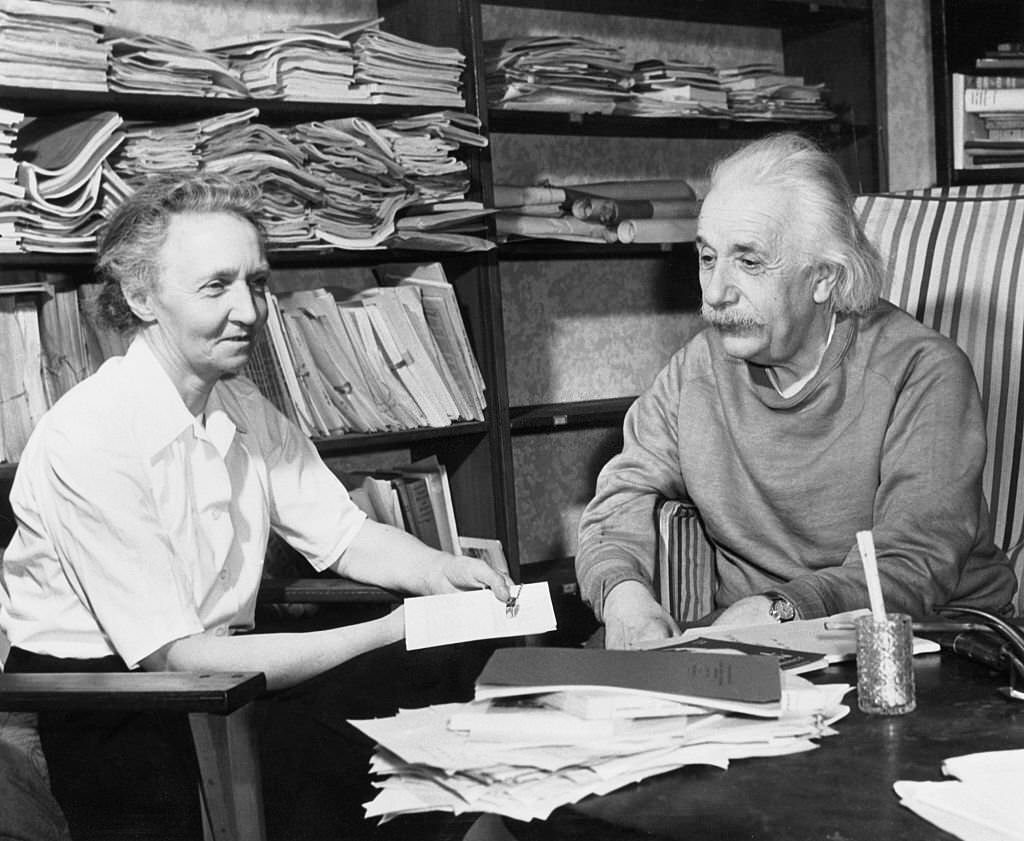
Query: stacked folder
{"x": 54, "y": 43}
{"x": 549, "y": 726}
{"x": 391, "y": 357}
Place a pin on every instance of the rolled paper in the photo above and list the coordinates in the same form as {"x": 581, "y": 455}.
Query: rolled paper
{"x": 657, "y": 230}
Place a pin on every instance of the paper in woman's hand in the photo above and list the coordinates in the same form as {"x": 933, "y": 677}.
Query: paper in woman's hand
{"x": 474, "y": 615}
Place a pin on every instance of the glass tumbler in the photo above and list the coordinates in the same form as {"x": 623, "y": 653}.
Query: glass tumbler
{"x": 885, "y": 665}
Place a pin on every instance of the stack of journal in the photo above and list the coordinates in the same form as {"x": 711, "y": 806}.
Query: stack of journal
{"x": 549, "y": 726}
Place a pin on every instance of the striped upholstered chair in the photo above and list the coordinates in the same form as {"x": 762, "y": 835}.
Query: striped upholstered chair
{"x": 955, "y": 259}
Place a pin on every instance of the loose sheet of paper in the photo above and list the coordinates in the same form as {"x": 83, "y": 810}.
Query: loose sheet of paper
{"x": 476, "y": 615}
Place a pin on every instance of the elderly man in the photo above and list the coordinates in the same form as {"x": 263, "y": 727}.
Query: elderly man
{"x": 807, "y": 410}
{"x": 145, "y": 499}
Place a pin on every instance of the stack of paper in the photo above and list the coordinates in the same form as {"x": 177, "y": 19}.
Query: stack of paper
{"x": 983, "y": 803}
{"x": 62, "y": 159}
{"x": 569, "y": 74}
{"x": 54, "y": 43}
{"x": 299, "y": 62}
{"x": 674, "y": 88}
{"x": 549, "y": 726}
{"x": 832, "y": 638}
{"x": 398, "y": 71}
{"x": 153, "y": 64}
{"x": 763, "y": 92}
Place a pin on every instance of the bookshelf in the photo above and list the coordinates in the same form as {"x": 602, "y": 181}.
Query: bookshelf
{"x": 962, "y": 32}
{"x": 565, "y": 334}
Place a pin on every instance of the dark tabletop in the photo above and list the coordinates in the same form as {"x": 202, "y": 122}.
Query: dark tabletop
{"x": 842, "y": 791}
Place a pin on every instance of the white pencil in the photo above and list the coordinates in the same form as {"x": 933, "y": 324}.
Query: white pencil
{"x": 866, "y": 544}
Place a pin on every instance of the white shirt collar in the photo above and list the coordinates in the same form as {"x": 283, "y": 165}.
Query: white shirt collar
{"x": 794, "y": 388}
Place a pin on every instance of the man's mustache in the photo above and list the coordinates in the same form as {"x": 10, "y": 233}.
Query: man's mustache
{"x": 730, "y": 318}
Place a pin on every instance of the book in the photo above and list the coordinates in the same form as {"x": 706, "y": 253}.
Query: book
{"x": 434, "y": 476}
{"x": 790, "y": 660}
{"x": 748, "y": 683}
{"x": 983, "y": 100}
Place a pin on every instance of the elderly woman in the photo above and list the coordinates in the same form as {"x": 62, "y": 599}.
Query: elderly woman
{"x": 146, "y": 496}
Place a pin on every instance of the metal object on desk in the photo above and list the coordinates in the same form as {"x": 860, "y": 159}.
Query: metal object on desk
{"x": 1000, "y": 645}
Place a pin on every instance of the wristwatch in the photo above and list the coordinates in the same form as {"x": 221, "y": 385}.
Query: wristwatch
{"x": 781, "y": 609}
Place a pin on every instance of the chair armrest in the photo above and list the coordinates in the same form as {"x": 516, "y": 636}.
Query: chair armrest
{"x": 214, "y": 692}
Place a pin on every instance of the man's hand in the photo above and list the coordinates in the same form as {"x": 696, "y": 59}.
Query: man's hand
{"x": 461, "y": 572}
{"x": 752, "y": 610}
{"x": 631, "y": 616}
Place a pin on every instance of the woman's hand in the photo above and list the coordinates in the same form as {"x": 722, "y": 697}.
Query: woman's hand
{"x": 461, "y": 572}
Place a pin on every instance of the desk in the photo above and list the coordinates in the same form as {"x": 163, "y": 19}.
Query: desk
{"x": 840, "y": 792}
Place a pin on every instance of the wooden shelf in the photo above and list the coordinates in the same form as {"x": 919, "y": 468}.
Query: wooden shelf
{"x": 578, "y": 415}
{"x": 610, "y": 125}
{"x": 40, "y": 101}
{"x": 772, "y": 13}
{"x": 353, "y": 442}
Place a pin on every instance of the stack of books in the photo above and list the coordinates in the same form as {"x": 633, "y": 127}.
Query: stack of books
{"x": 549, "y": 726}
{"x": 415, "y": 497}
{"x": 388, "y": 358}
{"x": 987, "y": 121}
{"x": 54, "y": 43}
{"x": 299, "y": 62}
{"x": 638, "y": 211}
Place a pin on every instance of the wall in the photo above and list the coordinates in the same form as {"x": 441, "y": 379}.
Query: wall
{"x": 911, "y": 140}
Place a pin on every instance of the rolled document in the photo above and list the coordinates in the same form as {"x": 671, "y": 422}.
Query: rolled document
{"x": 508, "y": 195}
{"x": 657, "y": 230}
{"x": 565, "y": 227}
{"x": 612, "y": 211}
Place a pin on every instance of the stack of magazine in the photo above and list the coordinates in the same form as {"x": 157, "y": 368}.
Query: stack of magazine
{"x": 391, "y": 357}
{"x": 299, "y": 62}
{"x": 54, "y": 43}
{"x": 398, "y": 71}
{"x": 61, "y": 167}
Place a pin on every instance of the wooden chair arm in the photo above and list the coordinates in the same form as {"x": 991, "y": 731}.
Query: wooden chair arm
{"x": 221, "y": 716}
{"x": 213, "y": 692}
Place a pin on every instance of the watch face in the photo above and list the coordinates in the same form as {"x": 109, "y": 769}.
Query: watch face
{"x": 782, "y": 609}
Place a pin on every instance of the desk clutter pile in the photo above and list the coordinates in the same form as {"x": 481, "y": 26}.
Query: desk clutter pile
{"x": 549, "y": 726}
